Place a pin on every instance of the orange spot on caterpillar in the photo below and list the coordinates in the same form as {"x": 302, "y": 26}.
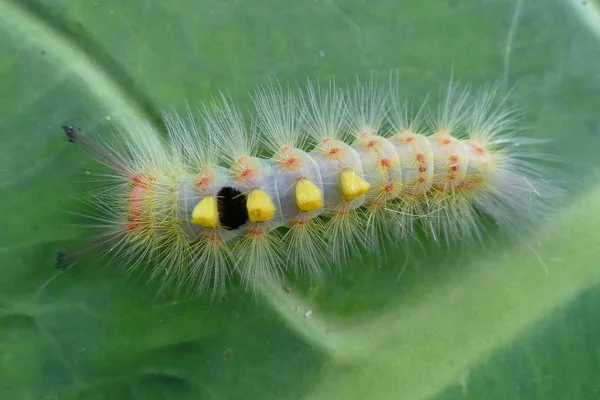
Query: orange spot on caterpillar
{"x": 246, "y": 173}
{"x": 132, "y": 225}
{"x": 212, "y": 236}
{"x": 453, "y": 159}
{"x": 376, "y": 203}
{"x": 385, "y": 163}
{"x": 422, "y": 168}
{"x": 299, "y": 220}
{"x": 136, "y": 179}
{"x": 256, "y": 231}
{"x": 446, "y": 141}
{"x": 454, "y": 168}
{"x": 291, "y": 162}
{"x": 372, "y": 143}
{"x": 389, "y": 187}
{"x": 141, "y": 180}
{"x": 421, "y": 179}
{"x": 204, "y": 181}
{"x": 136, "y": 200}
{"x": 420, "y": 157}
{"x": 479, "y": 150}
{"x": 334, "y": 151}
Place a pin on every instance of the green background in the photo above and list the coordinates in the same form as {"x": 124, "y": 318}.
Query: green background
{"x": 505, "y": 320}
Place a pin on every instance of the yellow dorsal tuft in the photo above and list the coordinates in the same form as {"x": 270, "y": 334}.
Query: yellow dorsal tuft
{"x": 353, "y": 185}
{"x": 260, "y": 206}
{"x": 205, "y": 213}
{"x": 308, "y": 196}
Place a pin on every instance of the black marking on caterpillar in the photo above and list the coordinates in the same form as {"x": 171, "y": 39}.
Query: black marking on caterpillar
{"x": 231, "y": 205}
{"x": 70, "y": 132}
{"x": 61, "y": 261}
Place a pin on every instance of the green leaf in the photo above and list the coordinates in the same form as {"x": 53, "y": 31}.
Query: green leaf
{"x": 506, "y": 320}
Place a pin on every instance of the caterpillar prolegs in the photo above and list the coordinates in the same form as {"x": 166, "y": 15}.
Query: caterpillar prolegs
{"x": 335, "y": 169}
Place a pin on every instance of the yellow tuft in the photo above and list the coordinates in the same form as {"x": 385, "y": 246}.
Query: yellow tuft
{"x": 308, "y": 196}
{"x": 353, "y": 185}
{"x": 205, "y": 213}
{"x": 260, "y": 206}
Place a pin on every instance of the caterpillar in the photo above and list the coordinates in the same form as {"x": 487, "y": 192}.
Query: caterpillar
{"x": 315, "y": 177}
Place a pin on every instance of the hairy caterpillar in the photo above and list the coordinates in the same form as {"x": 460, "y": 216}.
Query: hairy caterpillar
{"x": 338, "y": 169}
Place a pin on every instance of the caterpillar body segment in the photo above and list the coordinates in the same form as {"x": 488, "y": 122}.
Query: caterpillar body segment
{"x": 343, "y": 169}
{"x": 302, "y": 197}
